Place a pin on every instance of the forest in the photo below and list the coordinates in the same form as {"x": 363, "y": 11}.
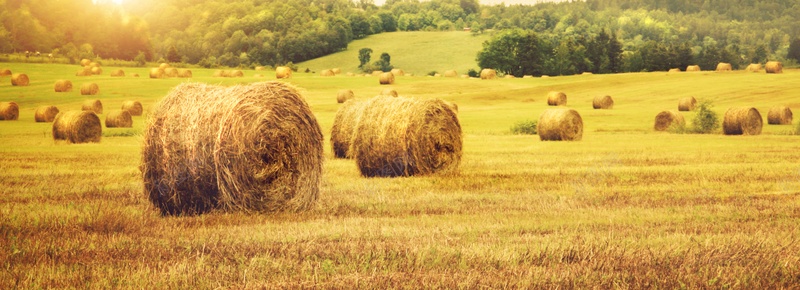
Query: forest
{"x": 599, "y": 36}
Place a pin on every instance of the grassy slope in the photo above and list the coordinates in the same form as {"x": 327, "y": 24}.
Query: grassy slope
{"x": 625, "y": 207}
{"x": 414, "y": 52}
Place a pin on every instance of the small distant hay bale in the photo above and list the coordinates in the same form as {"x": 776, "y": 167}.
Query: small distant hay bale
{"x": 5, "y": 72}
{"x": 377, "y": 73}
{"x": 724, "y": 66}
{"x": 451, "y": 73}
{"x": 387, "y": 78}
{"x": 260, "y": 68}
{"x": 667, "y": 119}
{"x": 742, "y": 121}
{"x": 156, "y": 73}
{"x": 92, "y": 106}
{"x": 344, "y": 95}
{"x": 163, "y": 65}
{"x": 586, "y": 73}
{"x": 20, "y": 80}
{"x": 85, "y": 62}
{"x": 389, "y": 92}
{"x": 603, "y": 102}
{"x": 488, "y": 74}
{"x": 236, "y": 74}
{"x": 258, "y": 76}
{"x": 774, "y": 67}
{"x": 560, "y": 125}
{"x": 349, "y": 74}
{"x": 336, "y": 71}
{"x": 45, "y": 114}
{"x": 674, "y": 70}
{"x": 133, "y": 107}
{"x": 219, "y": 73}
{"x": 754, "y": 67}
{"x": 437, "y": 75}
{"x": 62, "y": 86}
{"x": 119, "y": 119}
{"x": 780, "y": 115}
{"x": 135, "y": 75}
{"x": 185, "y": 73}
{"x": 251, "y": 147}
{"x": 171, "y": 72}
{"x": 77, "y": 127}
{"x": 283, "y": 72}
{"x": 556, "y": 99}
{"x": 687, "y": 104}
{"x": 327, "y": 73}
{"x": 84, "y": 72}
{"x": 406, "y": 137}
{"x": 118, "y": 73}
{"x": 398, "y": 72}
{"x": 693, "y": 68}
{"x": 344, "y": 125}
{"x": 96, "y": 70}
{"x": 9, "y": 111}
{"x": 94, "y": 64}
{"x": 509, "y": 76}
{"x": 527, "y": 76}
{"x": 545, "y": 76}
{"x": 89, "y": 89}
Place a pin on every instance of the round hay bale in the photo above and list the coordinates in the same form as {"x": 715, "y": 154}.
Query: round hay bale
{"x": 94, "y": 64}
{"x": 560, "y": 125}
{"x": 389, "y": 92}
{"x": 742, "y": 121}
{"x": 344, "y": 95}
{"x": 46, "y": 114}
{"x": 251, "y": 147}
{"x": 89, "y": 89}
{"x": 20, "y": 80}
{"x": 509, "y": 76}
{"x": 260, "y": 68}
{"x": 62, "y": 86}
{"x": 118, "y": 73}
{"x": 85, "y": 62}
{"x": 687, "y": 104}
{"x": 93, "y": 106}
{"x": 603, "y": 102}
{"x": 724, "y": 66}
{"x": 556, "y": 99}
{"x": 754, "y": 67}
{"x": 133, "y": 107}
{"x": 171, "y": 72}
{"x": 163, "y": 66}
{"x": 667, "y": 119}
{"x": 283, "y": 72}
{"x": 156, "y": 73}
{"x": 406, "y": 137}
{"x": 336, "y": 71}
{"x": 387, "y": 78}
{"x": 77, "y": 127}
{"x": 5, "y": 72}
{"x": 185, "y": 73}
{"x": 377, "y": 73}
{"x": 488, "y": 74}
{"x": 527, "y": 76}
{"x": 774, "y": 67}
{"x": 119, "y": 119}
{"x": 9, "y": 111}
{"x": 235, "y": 74}
{"x": 218, "y": 73}
{"x": 344, "y": 124}
{"x": 258, "y": 76}
{"x": 437, "y": 75}
{"x": 674, "y": 70}
{"x": 96, "y": 70}
{"x": 84, "y": 72}
{"x": 398, "y": 72}
{"x": 349, "y": 74}
{"x": 780, "y": 115}
{"x": 693, "y": 68}
{"x": 451, "y": 73}
{"x": 135, "y": 75}
{"x": 327, "y": 73}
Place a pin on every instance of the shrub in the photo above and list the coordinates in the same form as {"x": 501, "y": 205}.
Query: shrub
{"x": 706, "y": 120}
{"x": 527, "y": 127}
{"x": 432, "y": 73}
{"x": 473, "y": 73}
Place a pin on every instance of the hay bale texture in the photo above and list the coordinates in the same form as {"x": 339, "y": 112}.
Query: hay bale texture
{"x": 754, "y": 67}
{"x": 157, "y": 73}
{"x": 687, "y": 104}
{"x": 251, "y": 147}
{"x": 344, "y": 125}
{"x": 774, "y": 67}
{"x": 96, "y": 70}
{"x": 603, "y": 102}
{"x": 118, "y": 73}
{"x": 93, "y": 106}
{"x": 5, "y": 72}
{"x": 344, "y": 95}
{"x": 9, "y": 111}
{"x": 406, "y": 137}
{"x": 674, "y": 70}
{"x": 389, "y": 92}
{"x": 283, "y": 72}
{"x": 693, "y": 68}
{"x": 62, "y": 86}
{"x": 556, "y": 99}
{"x": 724, "y": 66}
{"x": 780, "y": 115}
{"x": 387, "y": 78}
{"x": 119, "y": 119}
{"x": 133, "y": 107}
{"x": 451, "y": 73}
{"x": 77, "y": 127}
{"x": 327, "y": 73}
{"x": 185, "y": 73}
{"x": 84, "y": 72}
{"x": 46, "y": 114}
{"x": 742, "y": 121}
{"x": 398, "y": 72}
{"x": 89, "y": 89}
{"x": 667, "y": 119}
{"x": 488, "y": 74}
{"x": 560, "y": 125}
{"x": 20, "y": 80}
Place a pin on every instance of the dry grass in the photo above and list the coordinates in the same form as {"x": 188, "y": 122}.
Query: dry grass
{"x": 687, "y": 104}
{"x": 488, "y": 74}
{"x": 20, "y": 80}
{"x": 669, "y": 119}
{"x": 89, "y": 89}
{"x": 344, "y": 125}
{"x": 386, "y": 78}
{"x": 556, "y": 99}
{"x": 724, "y": 66}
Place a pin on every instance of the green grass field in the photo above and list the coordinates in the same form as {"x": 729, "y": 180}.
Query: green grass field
{"x": 626, "y": 207}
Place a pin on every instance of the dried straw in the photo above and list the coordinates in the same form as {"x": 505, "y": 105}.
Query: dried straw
{"x": 119, "y": 119}
{"x": 9, "y": 111}
{"x": 387, "y": 78}
{"x": 46, "y": 114}
{"x": 157, "y": 73}
{"x": 603, "y": 102}
{"x": 754, "y": 67}
{"x": 344, "y": 124}
{"x": 92, "y": 105}
{"x": 560, "y": 125}
{"x": 742, "y": 121}
{"x": 398, "y": 72}
{"x": 774, "y": 67}
{"x": 556, "y": 99}
{"x": 77, "y": 127}
{"x": 283, "y": 72}
{"x": 667, "y": 119}
{"x": 389, "y": 92}
{"x": 693, "y": 68}
{"x": 344, "y": 95}
{"x": 724, "y": 66}
{"x": 780, "y": 115}
{"x": 62, "y": 86}
{"x": 89, "y": 89}
{"x": 20, "y": 80}
{"x": 118, "y": 73}
{"x": 488, "y": 74}
{"x": 687, "y": 104}
{"x": 451, "y": 73}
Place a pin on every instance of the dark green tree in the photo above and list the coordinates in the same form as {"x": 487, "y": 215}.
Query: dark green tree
{"x": 364, "y": 56}
{"x": 384, "y": 63}
{"x": 794, "y": 50}
{"x": 172, "y": 55}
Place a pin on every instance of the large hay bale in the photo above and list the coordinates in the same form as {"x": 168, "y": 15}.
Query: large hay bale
{"x": 451, "y": 73}
{"x": 89, "y": 89}
{"x": 84, "y": 72}
{"x": 85, "y": 62}
{"x": 344, "y": 95}
{"x": 185, "y": 73}
{"x": 251, "y": 147}
{"x": 93, "y": 106}
{"x": 693, "y": 68}
{"x": 724, "y": 66}
{"x": 774, "y": 67}
{"x": 556, "y": 99}
{"x": 488, "y": 74}
{"x": 780, "y": 115}
{"x": 5, "y": 72}
{"x": 389, "y": 92}
{"x": 133, "y": 107}
{"x": 156, "y": 73}
{"x": 118, "y": 73}
{"x": 406, "y": 137}
{"x": 96, "y": 70}
{"x": 344, "y": 125}
{"x": 62, "y": 86}
{"x": 283, "y": 72}
{"x": 46, "y": 114}
{"x": 687, "y": 104}
{"x": 20, "y": 80}
{"x": 387, "y": 78}
{"x": 336, "y": 71}
{"x": 667, "y": 119}
{"x": 327, "y": 73}
{"x": 77, "y": 127}
{"x": 119, "y": 119}
{"x": 603, "y": 102}
{"x": 9, "y": 111}
{"x": 754, "y": 67}
{"x": 171, "y": 72}
{"x": 560, "y": 125}
{"x": 398, "y": 72}
{"x": 742, "y": 121}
